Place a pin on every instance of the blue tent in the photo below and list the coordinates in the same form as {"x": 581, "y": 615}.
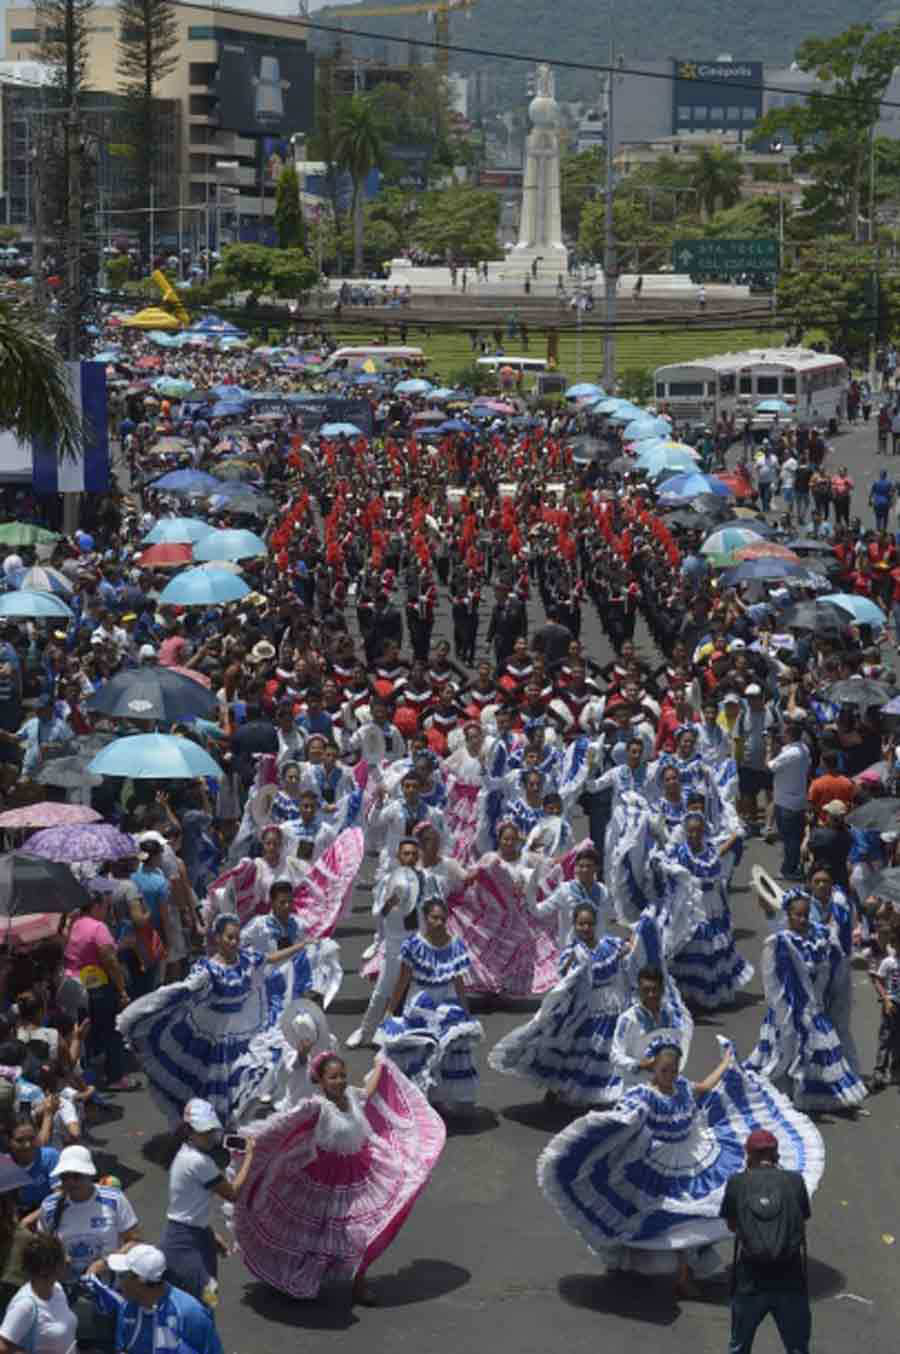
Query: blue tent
{"x": 216, "y": 326}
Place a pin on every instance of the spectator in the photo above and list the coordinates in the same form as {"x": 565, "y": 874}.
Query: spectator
{"x": 830, "y": 785}
{"x": 790, "y": 773}
{"x": 90, "y": 1220}
{"x": 39, "y": 1318}
{"x": 832, "y": 842}
{"x": 146, "y": 1305}
{"x": 766, "y": 1208}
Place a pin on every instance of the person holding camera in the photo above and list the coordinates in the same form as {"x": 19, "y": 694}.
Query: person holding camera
{"x": 767, "y": 1208}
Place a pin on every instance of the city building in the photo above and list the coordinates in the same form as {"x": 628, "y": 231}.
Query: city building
{"x": 242, "y": 83}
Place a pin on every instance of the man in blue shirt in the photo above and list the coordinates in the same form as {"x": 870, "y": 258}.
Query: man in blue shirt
{"x": 151, "y": 1315}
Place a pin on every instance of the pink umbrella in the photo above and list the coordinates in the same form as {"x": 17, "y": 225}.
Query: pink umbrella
{"x": 496, "y": 406}
{"x": 49, "y": 814}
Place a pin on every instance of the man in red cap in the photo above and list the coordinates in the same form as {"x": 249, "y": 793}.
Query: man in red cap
{"x": 767, "y": 1208}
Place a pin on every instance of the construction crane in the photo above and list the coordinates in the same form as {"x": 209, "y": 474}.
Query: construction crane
{"x": 440, "y": 14}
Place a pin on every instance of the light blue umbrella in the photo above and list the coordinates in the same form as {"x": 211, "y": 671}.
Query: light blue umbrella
{"x": 38, "y": 605}
{"x": 164, "y": 340}
{"x": 177, "y": 531}
{"x": 442, "y": 393}
{"x": 183, "y": 481}
{"x": 626, "y": 413}
{"x": 172, "y": 385}
{"x": 44, "y": 578}
{"x": 773, "y": 407}
{"x": 230, "y": 545}
{"x": 339, "y": 430}
{"x": 765, "y": 570}
{"x": 415, "y": 386}
{"x": 660, "y": 462}
{"x": 611, "y": 404}
{"x": 863, "y": 611}
{"x": 690, "y": 485}
{"x": 108, "y": 355}
{"x": 645, "y": 427}
{"x": 154, "y": 756}
{"x": 203, "y": 587}
{"x": 583, "y": 388}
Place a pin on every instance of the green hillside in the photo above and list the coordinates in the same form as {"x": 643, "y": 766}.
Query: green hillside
{"x": 571, "y": 30}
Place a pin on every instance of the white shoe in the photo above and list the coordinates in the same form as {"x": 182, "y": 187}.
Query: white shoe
{"x": 371, "y": 951}
{"x": 355, "y": 1039}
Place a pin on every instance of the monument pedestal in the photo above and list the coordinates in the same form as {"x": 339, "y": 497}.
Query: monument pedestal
{"x": 552, "y": 262}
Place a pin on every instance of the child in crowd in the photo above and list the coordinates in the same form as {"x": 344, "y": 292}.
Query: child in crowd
{"x": 884, "y": 971}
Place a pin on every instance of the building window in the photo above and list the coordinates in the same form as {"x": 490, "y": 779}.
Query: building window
{"x": 751, "y": 115}
{"x": 24, "y": 35}
{"x": 734, "y": 115}
{"x": 717, "y": 115}
{"x": 684, "y": 114}
{"x": 201, "y": 33}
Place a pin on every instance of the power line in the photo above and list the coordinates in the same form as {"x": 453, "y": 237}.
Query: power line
{"x": 596, "y": 68}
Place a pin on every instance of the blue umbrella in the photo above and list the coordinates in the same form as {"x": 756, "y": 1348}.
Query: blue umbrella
{"x": 863, "y": 611}
{"x": 691, "y": 484}
{"x": 154, "y": 756}
{"x": 39, "y": 605}
{"x": 177, "y": 531}
{"x": 108, "y": 355}
{"x": 229, "y": 545}
{"x": 164, "y": 340}
{"x": 339, "y": 430}
{"x": 182, "y": 481}
{"x": 761, "y": 569}
{"x": 415, "y": 386}
{"x": 611, "y": 404}
{"x": 203, "y": 587}
{"x": 584, "y": 388}
{"x": 44, "y": 578}
{"x": 643, "y": 428}
{"x": 224, "y": 408}
{"x": 773, "y": 407}
{"x": 661, "y": 462}
{"x": 452, "y": 425}
{"x": 441, "y": 393}
{"x": 624, "y": 414}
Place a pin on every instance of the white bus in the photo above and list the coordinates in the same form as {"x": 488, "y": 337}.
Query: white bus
{"x": 514, "y": 360}
{"x": 813, "y": 385}
{"x": 355, "y": 356}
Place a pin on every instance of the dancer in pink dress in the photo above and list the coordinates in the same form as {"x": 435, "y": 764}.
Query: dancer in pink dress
{"x": 333, "y": 1180}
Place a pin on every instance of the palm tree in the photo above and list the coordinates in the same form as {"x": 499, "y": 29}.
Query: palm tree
{"x": 35, "y": 400}
{"x": 359, "y": 148}
{"x": 716, "y": 176}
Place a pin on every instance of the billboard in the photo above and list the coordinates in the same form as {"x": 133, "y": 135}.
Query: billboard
{"x": 716, "y": 95}
{"x": 264, "y": 85}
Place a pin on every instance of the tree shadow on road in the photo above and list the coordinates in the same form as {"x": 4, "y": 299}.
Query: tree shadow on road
{"x": 627, "y": 1295}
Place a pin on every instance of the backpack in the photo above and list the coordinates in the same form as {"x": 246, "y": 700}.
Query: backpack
{"x": 770, "y": 1226}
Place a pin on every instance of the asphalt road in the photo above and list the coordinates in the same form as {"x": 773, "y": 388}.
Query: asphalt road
{"x": 483, "y": 1258}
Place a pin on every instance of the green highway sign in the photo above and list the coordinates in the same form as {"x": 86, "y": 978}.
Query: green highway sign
{"x": 725, "y": 256}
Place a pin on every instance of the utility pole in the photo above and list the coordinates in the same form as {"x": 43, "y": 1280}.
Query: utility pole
{"x": 73, "y": 242}
{"x": 37, "y": 217}
{"x": 610, "y": 265}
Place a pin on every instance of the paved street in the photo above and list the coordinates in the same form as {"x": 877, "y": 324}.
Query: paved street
{"x": 484, "y": 1261}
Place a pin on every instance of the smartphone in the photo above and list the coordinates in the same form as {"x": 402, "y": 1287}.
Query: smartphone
{"x": 234, "y": 1142}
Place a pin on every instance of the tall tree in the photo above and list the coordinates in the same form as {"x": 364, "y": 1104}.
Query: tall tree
{"x": 716, "y": 177}
{"x": 63, "y": 26}
{"x": 833, "y": 126}
{"x": 289, "y": 221}
{"x": 323, "y": 141}
{"x": 148, "y": 32}
{"x": 35, "y": 399}
{"x": 359, "y": 148}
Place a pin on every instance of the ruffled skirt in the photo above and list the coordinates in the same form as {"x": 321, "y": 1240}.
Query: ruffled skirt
{"x": 433, "y": 1044}
{"x": 565, "y": 1047}
{"x": 708, "y": 969}
{"x": 299, "y": 1222}
{"x": 636, "y": 1199}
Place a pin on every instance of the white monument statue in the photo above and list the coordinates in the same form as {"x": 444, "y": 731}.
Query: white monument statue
{"x": 540, "y": 249}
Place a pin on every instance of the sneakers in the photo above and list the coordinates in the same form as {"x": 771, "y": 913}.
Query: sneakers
{"x": 359, "y": 1039}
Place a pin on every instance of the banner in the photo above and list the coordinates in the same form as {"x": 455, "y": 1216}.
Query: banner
{"x": 89, "y": 471}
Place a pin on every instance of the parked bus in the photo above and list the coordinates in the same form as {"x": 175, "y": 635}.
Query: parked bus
{"x": 354, "y": 357}
{"x": 813, "y": 385}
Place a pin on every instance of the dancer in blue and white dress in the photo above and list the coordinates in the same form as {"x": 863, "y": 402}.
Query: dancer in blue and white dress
{"x": 658, "y": 1007}
{"x": 431, "y": 1032}
{"x": 708, "y": 969}
{"x": 212, "y": 1036}
{"x": 643, "y": 1183}
{"x": 317, "y": 966}
{"x": 564, "y": 1048}
{"x": 798, "y": 1045}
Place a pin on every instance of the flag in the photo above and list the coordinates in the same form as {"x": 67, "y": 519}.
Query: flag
{"x": 89, "y": 470}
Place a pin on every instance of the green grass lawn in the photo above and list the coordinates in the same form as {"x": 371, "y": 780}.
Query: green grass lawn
{"x": 448, "y": 351}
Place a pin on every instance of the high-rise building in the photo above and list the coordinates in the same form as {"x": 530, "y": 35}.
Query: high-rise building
{"x": 243, "y": 85}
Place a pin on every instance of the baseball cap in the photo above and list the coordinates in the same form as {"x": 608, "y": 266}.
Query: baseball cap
{"x": 144, "y": 1262}
{"x": 731, "y": 698}
{"x": 761, "y": 1140}
{"x": 74, "y": 1161}
{"x": 836, "y": 807}
{"x": 754, "y": 689}
{"x": 146, "y": 651}
{"x": 200, "y": 1116}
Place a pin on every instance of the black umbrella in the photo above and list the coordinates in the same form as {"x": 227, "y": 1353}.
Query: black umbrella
{"x": 587, "y": 449}
{"x": 32, "y": 884}
{"x": 153, "y": 693}
{"x": 689, "y": 520}
{"x": 69, "y": 773}
{"x": 860, "y": 691}
{"x": 878, "y": 815}
{"x": 820, "y": 616}
{"x": 886, "y": 884}
{"x": 808, "y": 545}
{"x": 623, "y": 465}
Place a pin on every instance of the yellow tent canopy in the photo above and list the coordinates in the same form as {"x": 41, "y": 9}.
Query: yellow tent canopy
{"x": 153, "y": 317}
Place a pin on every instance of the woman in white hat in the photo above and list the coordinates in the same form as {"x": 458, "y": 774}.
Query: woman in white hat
{"x": 90, "y": 1220}
{"x": 190, "y": 1245}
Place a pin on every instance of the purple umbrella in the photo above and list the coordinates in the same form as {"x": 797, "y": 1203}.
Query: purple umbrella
{"x": 81, "y": 841}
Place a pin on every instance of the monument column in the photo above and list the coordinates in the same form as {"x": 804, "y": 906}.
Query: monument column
{"x": 540, "y": 251}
